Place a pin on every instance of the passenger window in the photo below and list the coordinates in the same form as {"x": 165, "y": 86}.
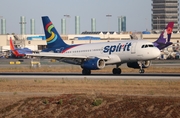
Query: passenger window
{"x": 146, "y": 46}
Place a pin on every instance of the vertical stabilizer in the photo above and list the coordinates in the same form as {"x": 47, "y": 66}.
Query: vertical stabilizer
{"x": 164, "y": 39}
{"x": 12, "y": 48}
{"x": 53, "y": 38}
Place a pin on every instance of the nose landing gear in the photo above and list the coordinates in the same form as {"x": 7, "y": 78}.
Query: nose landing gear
{"x": 141, "y": 70}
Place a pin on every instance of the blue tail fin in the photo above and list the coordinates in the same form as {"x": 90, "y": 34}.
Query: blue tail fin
{"x": 53, "y": 38}
{"x": 164, "y": 39}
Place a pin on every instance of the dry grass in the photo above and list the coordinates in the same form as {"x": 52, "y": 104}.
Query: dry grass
{"x": 40, "y": 97}
{"x": 22, "y": 97}
{"x": 121, "y": 87}
{"x": 12, "y": 90}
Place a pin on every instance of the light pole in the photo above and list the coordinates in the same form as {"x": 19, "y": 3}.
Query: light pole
{"x": 108, "y": 16}
{"x": 157, "y": 23}
{"x": 67, "y": 16}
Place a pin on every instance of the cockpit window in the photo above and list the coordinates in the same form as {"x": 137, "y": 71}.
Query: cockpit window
{"x": 142, "y": 46}
{"x": 151, "y": 45}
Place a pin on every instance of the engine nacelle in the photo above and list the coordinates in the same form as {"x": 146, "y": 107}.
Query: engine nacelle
{"x": 145, "y": 64}
{"x": 93, "y": 64}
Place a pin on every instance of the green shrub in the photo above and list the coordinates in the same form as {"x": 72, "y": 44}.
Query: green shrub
{"x": 15, "y": 93}
{"x": 45, "y": 101}
{"x": 97, "y": 102}
{"x": 60, "y": 102}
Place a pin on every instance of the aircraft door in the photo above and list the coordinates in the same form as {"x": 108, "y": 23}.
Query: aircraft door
{"x": 102, "y": 50}
{"x": 133, "y": 48}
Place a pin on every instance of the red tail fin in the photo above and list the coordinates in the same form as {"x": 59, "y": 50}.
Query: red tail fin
{"x": 14, "y": 51}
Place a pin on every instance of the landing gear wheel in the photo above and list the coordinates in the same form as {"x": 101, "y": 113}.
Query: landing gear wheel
{"x": 141, "y": 71}
{"x": 116, "y": 71}
{"x": 86, "y": 72}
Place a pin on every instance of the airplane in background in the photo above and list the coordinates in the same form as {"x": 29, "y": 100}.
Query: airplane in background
{"x": 18, "y": 52}
{"x": 164, "y": 39}
{"x": 94, "y": 56}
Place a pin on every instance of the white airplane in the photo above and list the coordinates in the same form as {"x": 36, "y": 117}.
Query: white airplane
{"x": 136, "y": 53}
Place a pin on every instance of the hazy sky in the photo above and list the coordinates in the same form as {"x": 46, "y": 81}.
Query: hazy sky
{"x": 137, "y": 12}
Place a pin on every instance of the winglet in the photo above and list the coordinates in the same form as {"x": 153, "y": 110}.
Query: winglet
{"x": 164, "y": 39}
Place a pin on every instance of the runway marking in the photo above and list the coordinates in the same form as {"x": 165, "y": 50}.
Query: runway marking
{"x": 87, "y": 77}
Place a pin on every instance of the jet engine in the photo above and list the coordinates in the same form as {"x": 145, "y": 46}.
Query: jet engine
{"x": 135, "y": 65}
{"x": 93, "y": 64}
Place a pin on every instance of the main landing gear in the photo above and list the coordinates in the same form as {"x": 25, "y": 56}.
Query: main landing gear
{"x": 116, "y": 71}
{"x": 86, "y": 71}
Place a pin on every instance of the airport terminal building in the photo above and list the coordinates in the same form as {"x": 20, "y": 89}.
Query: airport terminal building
{"x": 38, "y": 42}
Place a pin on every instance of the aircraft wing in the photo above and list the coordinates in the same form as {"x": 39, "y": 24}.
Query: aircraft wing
{"x": 59, "y": 55}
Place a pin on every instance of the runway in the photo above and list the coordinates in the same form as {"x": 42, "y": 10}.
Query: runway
{"x": 156, "y": 76}
{"x": 55, "y": 75}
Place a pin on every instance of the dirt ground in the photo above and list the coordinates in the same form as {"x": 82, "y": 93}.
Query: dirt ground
{"x": 85, "y": 98}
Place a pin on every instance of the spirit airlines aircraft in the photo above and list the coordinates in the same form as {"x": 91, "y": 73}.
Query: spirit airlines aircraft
{"x": 136, "y": 53}
{"x": 18, "y": 52}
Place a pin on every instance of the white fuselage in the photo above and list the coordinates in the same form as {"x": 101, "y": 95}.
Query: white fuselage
{"x": 114, "y": 52}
